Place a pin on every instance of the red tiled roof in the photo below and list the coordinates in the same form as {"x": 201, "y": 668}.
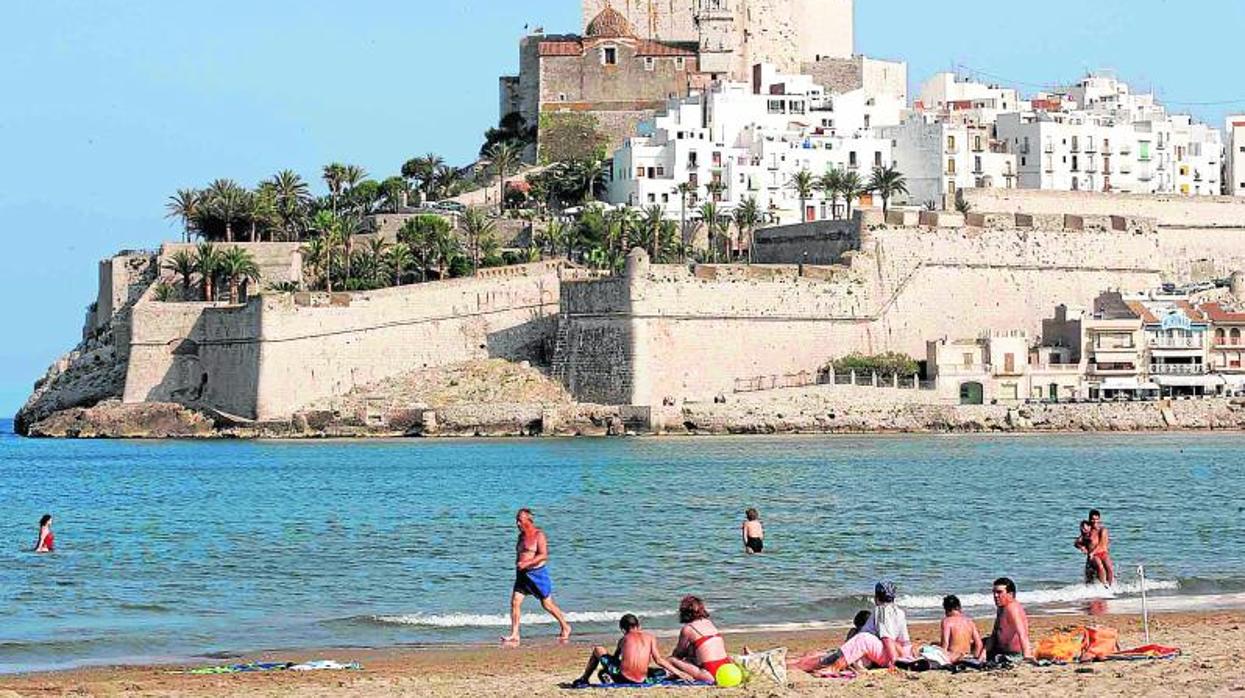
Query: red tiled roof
{"x": 1192, "y": 313}
{"x": 1141, "y": 311}
{"x": 1217, "y": 314}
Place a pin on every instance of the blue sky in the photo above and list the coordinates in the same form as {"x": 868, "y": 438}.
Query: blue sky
{"x": 107, "y": 106}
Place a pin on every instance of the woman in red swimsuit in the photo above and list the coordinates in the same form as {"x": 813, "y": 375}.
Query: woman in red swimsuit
{"x": 46, "y": 542}
{"x": 701, "y": 650}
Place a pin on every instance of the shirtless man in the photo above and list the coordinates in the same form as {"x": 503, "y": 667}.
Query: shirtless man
{"x": 960, "y": 637}
{"x": 1083, "y": 543}
{"x": 1011, "y": 624}
{"x": 1100, "y": 549}
{"x": 629, "y": 664}
{"x": 531, "y": 578}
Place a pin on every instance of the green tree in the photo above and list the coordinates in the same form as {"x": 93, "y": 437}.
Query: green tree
{"x": 803, "y": 183}
{"x": 422, "y": 172}
{"x": 651, "y": 231}
{"x": 183, "y": 264}
{"x": 292, "y": 197}
{"x": 712, "y": 218}
{"x": 503, "y": 158}
{"x": 395, "y": 191}
{"x": 747, "y": 218}
{"x": 315, "y": 255}
{"x": 831, "y": 184}
{"x": 421, "y": 234}
{"x": 207, "y": 263}
{"x": 334, "y": 176}
{"x": 399, "y": 260}
{"x": 685, "y": 189}
{"x": 852, "y": 187}
{"x": 184, "y": 205}
{"x": 226, "y": 202}
{"x": 476, "y": 227}
{"x": 887, "y": 182}
{"x": 328, "y": 227}
{"x": 237, "y": 266}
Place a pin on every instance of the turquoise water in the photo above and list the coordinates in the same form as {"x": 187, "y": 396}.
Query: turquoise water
{"x": 177, "y": 550}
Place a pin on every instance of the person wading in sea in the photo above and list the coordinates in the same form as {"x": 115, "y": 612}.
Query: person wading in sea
{"x": 531, "y": 578}
{"x": 46, "y": 542}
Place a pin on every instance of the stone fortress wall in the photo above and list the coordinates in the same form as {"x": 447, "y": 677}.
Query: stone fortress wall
{"x": 667, "y": 335}
{"x": 656, "y": 334}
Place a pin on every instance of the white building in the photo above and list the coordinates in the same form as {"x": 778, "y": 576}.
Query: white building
{"x": 737, "y": 141}
{"x": 938, "y": 157}
{"x": 1234, "y": 182}
{"x": 1095, "y": 136}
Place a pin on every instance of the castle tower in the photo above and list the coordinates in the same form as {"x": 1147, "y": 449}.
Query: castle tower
{"x": 717, "y": 37}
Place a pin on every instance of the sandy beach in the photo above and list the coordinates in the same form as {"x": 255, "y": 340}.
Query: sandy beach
{"x": 1212, "y": 664}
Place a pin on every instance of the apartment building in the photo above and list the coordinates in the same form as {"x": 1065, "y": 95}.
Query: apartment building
{"x": 940, "y": 156}
{"x": 737, "y": 141}
{"x": 1234, "y": 170}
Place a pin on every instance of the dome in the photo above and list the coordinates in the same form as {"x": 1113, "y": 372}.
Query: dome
{"x": 609, "y": 24}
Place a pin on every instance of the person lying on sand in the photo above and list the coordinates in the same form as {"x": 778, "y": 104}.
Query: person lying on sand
{"x": 632, "y": 658}
{"x": 701, "y": 651}
{"x": 881, "y": 642}
{"x": 531, "y": 578}
{"x": 960, "y": 636}
{"x": 1011, "y": 625}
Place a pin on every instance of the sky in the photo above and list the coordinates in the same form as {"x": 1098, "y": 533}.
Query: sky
{"x": 108, "y": 106}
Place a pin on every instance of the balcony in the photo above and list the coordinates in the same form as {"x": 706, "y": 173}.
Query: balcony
{"x": 1126, "y": 149}
{"x": 1108, "y": 149}
{"x": 1177, "y": 369}
{"x": 1049, "y": 148}
{"x": 1229, "y": 343}
{"x": 1112, "y": 369}
{"x": 1076, "y": 147}
{"x": 1090, "y": 148}
{"x": 1175, "y": 343}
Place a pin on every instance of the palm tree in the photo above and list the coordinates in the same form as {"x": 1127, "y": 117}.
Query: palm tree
{"x": 503, "y": 158}
{"x": 803, "y": 183}
{"x": 447, "y": 248}
{"x": 421, "y": 234}
{"x": 831, "y": 183}
{"x": 292, "y": 195}
{"x": 476, "y": 227}
{"x": 226, "y": 201}
{"x": 685, "y": 188}
{"x": 207, "y": 263}
{"x": 654, "y": 217}
{"x": 852, "y": 187}
{"x": 352, "y": 175}
{"x": 398, "y": 260}
{"x": 328, "y": 226}
{"x": 184, "y": 205}
{"x": 445, "y": 181}
{"x": 314, "y": 252}
{"x": 887, "y": 182}
{"x": 183, "y": 264}
{"x": 350, "y": 224}
{"x": 422, "y": 170}
{"x": 553, "y": 237}
{"x": 334, "y": 175}
{"x": 747, "y": 218}
{"x": 237, "y": 266}
{"x": 709, "y": 214}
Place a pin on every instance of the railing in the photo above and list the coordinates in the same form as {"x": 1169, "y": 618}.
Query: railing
{"x": 806, "y": 379}
{"x": 1167, "y": 343}
{"x": 1228, "y": 342}
{"x": 1177, "y": 369}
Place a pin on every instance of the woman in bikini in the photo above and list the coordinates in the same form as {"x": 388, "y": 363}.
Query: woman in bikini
{"x": 46, "y": 542}
{"x": 701, "y": 651}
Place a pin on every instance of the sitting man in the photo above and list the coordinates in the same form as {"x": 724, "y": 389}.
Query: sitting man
{"x": 960, "y": 637}
{"x": 629, "y": 664}
{"x": 1010, "y": 637}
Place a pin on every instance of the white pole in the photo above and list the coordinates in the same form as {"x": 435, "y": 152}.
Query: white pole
{"x": 1145, "y": 607}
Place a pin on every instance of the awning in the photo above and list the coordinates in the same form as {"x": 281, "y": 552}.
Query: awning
{"x": 1210, "y": 381}
{"x": 1126, "y": 384}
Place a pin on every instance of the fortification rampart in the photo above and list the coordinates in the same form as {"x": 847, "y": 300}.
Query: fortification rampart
{"x": 1186, "y": 212}
{"x": 664, "y": 334}
{"x": 279, "y": 352}
{"x": 278, "y": 262}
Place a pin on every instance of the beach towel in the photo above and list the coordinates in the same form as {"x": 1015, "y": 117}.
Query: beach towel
{"x": 668, "y": 683}
{"x": 1060, "y": 646}
{"x": 256, "y": 667}
{"x": 1146, "y": 652}
{"x": 326, "y": 665}
{"x": 771, "y": 664}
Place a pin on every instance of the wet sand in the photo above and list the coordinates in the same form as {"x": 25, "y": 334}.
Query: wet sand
{"x": 1213, "y": 664}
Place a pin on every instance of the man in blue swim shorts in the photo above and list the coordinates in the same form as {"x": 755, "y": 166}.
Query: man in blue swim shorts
{"x": 531, "y": 577}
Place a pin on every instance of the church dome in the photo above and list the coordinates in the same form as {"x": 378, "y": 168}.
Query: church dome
{"x": 609, "y": 24}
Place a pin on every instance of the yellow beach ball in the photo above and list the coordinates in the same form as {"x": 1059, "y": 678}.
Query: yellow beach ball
{"x": 729, "y": 676}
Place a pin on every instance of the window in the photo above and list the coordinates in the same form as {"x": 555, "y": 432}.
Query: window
{"x": 977, "y": 163}
{"x": 661, "y": 170}
{"x": 951, "y": 143}
{"x": 1076, "y": 163}
{"x": 877, "y": 159}
{"x": 692, "y": 160}
{"x": 1024, "y": 161}
{"x": 652, "y": 198}
{"x": 561, "y": 96}
{"x": 609, "y": 55}
{"x": 679, "y": 63}
{"x": 665, "y": 198}
{"x": 968, "y": 360}
{"x": 976, "y": 142}
{"x": 649, "y": 62}
{"x": 950, "y": 165}
{"x": 851, "y": 159}
{"x": 1236, "y": 335}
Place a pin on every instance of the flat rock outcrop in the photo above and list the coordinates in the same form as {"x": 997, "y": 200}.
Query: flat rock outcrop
{"x": 115, "y": 420}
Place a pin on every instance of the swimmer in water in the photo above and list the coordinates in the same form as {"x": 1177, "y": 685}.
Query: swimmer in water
{"x": 46, "y": 542}
{"x": 753, "y": 532}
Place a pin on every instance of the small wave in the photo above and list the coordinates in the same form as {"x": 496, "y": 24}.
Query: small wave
{"x": 1074, "y": 592}
{"x": 484, "y": 620}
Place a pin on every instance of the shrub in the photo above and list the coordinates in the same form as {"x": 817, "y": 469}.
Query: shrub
{"x": 888, "y": 364}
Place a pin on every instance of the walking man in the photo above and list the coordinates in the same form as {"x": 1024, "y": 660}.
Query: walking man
{"x": 531, "y": 578}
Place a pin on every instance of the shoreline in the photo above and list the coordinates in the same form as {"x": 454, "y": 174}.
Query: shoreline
{"x": 1210, "y": 641}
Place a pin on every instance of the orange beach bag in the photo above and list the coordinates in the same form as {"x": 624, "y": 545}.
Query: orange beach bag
{"x": 1100, "y": 643}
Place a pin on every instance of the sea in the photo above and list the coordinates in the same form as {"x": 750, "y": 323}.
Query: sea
{"x": 194, "y": 552}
